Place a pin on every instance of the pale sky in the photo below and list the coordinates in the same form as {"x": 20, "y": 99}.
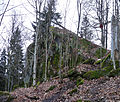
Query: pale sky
{"x": 28, "y": 16}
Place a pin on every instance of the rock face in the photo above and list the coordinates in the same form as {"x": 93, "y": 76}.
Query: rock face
{"x": 67, "y": 39}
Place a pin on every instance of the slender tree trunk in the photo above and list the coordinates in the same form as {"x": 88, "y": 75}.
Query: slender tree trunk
{"x": 35, "y": 49}
{"x": 78, "y": 28}
{"x": 60, "y": 47}
{"x": 46, "y": 63}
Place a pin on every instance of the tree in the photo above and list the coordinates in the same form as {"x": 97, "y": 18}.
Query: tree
{"x": 16, "y": 55}
{"x": 43, "y": 36}
{"x": 3, "y": 70}
{"x": 85, "y": 29}
{"x": 102, "y": 9}
{"x": 15, "y": 65}
{"x": 115, "y": 36}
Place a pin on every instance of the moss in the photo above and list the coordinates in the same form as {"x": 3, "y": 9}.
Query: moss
{"x": 100, "y": 52}
{"x": 106, "y": 61}
{"x": 51, "y": 88}
{"x": 97, "y": 73}
{"x": 56, "y": 60}
{"x": 80, "y": 81}
{"x": 3, "y": 93}
{"x": 80, "y": 59}
{"x": 89, "y": 61}
{"x": 92, "y": 74}
{"x": 85, "y": 45}
{"x": 79, "y": 100}
{"x": 73, "y": 74}
{"x": 98, "y": 61}
{"x": 73, "y": 91}
{"x": 15, "y": 87}
{"x": 114, "y": 73}
{"x": 82, "y": 100}
{"x": 38, "y": 83}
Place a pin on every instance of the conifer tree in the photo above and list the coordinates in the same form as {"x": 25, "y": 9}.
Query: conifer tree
{"x": 16, "y": 56}
{"x": 85, "y": 29}
{"x": 3, "y": 70}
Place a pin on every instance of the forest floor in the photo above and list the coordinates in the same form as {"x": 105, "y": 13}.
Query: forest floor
{"x": 104, "y": 89}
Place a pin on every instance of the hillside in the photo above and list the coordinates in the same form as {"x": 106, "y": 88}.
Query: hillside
{"x": 91, "y": 80}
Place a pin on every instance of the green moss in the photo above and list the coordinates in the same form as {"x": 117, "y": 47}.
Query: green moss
{"x": 98, "y": 61}
{"x": 15, "y": 87}
{"x": 114, "y": 73}
{"x": 85, "y": 45}
{"x": 79, "y": 100}
{"x": 106, "y": 61}
{"x": 51, "y": 88}
{"x": 73, "y": 74}
{"x": 4, "y": 93}
{"x": 80, "y": 81}
{"x": 82, "y": 100}
{"x": 92, "y": 74}
{"x": 73, "y": 91}
{"x": 100, "y": 52}
{"x": 38, "y": 83}
{"x": 80, "y": 59}
{"x": 89, "y": 61}
{"x": 97, "y": 73}
{"x": 56, "y": 60}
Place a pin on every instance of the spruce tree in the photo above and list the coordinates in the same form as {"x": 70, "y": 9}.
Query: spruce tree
{"x": 16, "y": 56}
{"x": 3, "y": 70}
{"x": 86, "y": 32}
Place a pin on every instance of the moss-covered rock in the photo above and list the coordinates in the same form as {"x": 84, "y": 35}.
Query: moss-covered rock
{"x": 114, "y": 73}
{"x": 73, "y": 74}
{"x": 92, "y": 74}
{"x": 106, "y": 61}
{"x": 89, "y": 61}
{"x": 97, "y": 73}
{"x": 100, "y": 52}
{"x": 99, "y": 61}
{"x": 80, "y": 81}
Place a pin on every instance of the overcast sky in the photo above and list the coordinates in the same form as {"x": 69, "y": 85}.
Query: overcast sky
{"x": 28, "y": 16}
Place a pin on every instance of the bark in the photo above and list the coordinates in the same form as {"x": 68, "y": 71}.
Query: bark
{"x": 36, "y": 42}
{"x": 78, "y": 28}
